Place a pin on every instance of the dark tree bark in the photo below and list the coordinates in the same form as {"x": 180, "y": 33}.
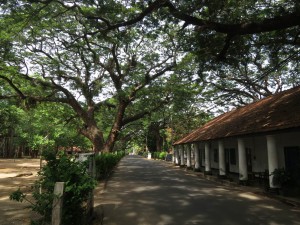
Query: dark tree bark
{"x": 116, "y": 128}
{"x": 94, "y": 134}
{"x": 277, "y": 23}
{"x": 250, "y": 27}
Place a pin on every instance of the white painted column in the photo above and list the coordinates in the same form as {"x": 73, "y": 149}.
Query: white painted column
{"x": 207, "y": 158}
{"x": 222, "y": 165}
{"x": 272, "y": 158}
{"x": 181, "y": 150}
{"x": 176, "y": 153}
{"x": 57, "y": 204}
{"x": 173, "y": 157}
{"x": 243, "y": 171}
{"x": 197, "y": 158}
{"x": 188, "y": 156}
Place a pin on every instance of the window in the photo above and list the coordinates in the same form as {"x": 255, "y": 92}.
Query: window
{"x": 232, "y": 156}
{"x": 216, "y": 155}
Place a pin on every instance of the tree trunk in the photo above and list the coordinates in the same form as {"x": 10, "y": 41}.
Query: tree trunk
{"x": 11, "y": 149}
{"x": 158, "y": 141}
{"x": 98, "y": 143}
{"x": 114, "y": 132}
{"x": 93, "y": 133}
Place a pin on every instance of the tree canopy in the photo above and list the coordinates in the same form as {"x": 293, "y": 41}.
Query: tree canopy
{"x": 115, "y": 62}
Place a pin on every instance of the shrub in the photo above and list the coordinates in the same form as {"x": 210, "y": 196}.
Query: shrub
{"x": 105, "y": 163}
{"x": 145, "y": 154}
{"x": 162, "y": 155}
{"x": 280, "y": 177}
{"x": 156, "y": 155}
{"x": 159, "y": 155}
{"x": 78, "y": 185}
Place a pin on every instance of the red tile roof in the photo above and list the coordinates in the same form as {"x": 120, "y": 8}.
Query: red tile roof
{"x": 276, "y": 112}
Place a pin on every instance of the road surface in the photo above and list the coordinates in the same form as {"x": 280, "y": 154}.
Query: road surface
{"x": 150, "y": 192}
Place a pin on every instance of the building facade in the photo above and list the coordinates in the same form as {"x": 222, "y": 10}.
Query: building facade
{"x": 253, "y": 140}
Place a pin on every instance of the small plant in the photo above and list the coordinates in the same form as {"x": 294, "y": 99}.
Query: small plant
{"x": 163, "y": 155}
{"x": 78, "y": 185}
{"x": 19, "y": 196}
{"x": 159, "y": 155}
{"x": 280, "y": 177}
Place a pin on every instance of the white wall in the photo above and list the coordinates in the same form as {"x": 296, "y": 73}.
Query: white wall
{"x": 258, "y": 146}
{"x": 259, "y": 154}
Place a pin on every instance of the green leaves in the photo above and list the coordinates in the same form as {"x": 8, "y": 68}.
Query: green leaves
{"x": 18, "y": 196}
{"x": 78, "y": 185}
{"x": 106, "y": 162}
{"x": 74, "y": 53}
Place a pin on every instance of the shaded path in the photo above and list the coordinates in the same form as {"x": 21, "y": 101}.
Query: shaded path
{"x": 148, "y": 192}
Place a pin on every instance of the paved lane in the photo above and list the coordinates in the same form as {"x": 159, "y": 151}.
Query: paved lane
{"x": 148, "y": 192}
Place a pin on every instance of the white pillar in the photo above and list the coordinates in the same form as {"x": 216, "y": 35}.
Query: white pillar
{"x": 181, "y": 150}
{"x": 57, "y": 203}
{"x": 222, "y": 165}
{"x": 176, "y": 153}
{"x": 207, "y": 158}
{"x": 173, "y": 156}
{"x": 188, "y": 156}
{"x": 196, "y": 154}
{"x": 242, "y": 160}
{"x": 272, "y": 158}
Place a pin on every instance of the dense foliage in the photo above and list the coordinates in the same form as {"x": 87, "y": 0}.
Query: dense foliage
{"x": 159, "y": 155}
{"x": 105, "y": 163}
{"x": 121, "y": 64}
{"x": 78, "y": 185}
{"x": 28, "y": 131}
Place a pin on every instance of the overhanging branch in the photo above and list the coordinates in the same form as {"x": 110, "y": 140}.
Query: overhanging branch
{"x": 143, "y": 113}
{"x": 17, "y": 90}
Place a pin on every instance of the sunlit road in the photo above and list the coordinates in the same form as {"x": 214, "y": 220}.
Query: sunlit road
{"x": 149, "y": 192}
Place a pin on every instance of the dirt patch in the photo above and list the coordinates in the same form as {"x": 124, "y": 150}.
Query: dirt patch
{"x": 21, "y": 173}
{"x": 14, "y": 174}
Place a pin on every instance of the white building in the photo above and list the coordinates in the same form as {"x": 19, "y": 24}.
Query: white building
{"x": 249, "y": 140}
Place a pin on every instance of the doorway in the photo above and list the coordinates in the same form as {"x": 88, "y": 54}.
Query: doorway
{"x": 292, "y": 163}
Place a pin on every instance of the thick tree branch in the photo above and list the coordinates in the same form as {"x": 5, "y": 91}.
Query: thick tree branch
{"x": 142, "y": 114}
{"x": 270, "y": 24}
{"x": 148, "y": 80}
{"x": 16, "y": 89}
{"x": 251, "y": 27}
{"x": 223, "y": 53}
{"x": 114, "y": 54}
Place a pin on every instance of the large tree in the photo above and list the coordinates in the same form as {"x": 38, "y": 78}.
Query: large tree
{"x": 185, "y": 112}
{"x": 224, "y": 37}
{"x": 220, "y": 28}
{"x": 60, "y": 57}
{"x": 107, "y": 55}
{"x": 223, "y": 24}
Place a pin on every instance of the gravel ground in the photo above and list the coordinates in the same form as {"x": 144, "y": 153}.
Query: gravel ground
{"x": 21, "y": 173}
{"x": 14, "y": 174}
